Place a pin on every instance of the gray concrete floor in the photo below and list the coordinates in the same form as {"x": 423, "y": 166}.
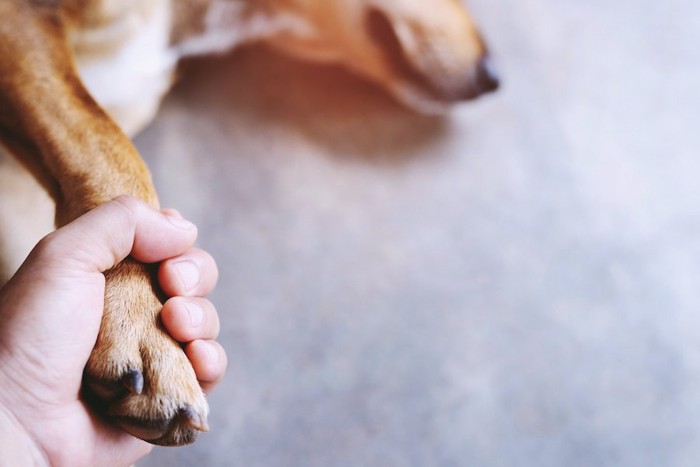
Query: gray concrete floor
{"x": 516, "y": 284}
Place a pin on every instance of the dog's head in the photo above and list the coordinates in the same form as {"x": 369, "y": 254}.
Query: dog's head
{"x": 428, "y": 53}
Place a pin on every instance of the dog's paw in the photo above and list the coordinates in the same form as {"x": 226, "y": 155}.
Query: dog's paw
{"x": 137, "y": 375}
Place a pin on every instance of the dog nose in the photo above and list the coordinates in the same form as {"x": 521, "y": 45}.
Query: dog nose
{"x": 486, "y": 79}
{"x": 482, "y": 79}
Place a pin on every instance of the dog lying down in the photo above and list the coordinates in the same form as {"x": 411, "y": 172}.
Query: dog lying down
{"x": 77, "y": 76}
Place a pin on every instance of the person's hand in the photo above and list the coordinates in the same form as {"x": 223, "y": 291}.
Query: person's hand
{"x": 50, "y": 314}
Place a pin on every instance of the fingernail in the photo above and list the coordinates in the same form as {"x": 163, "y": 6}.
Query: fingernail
{"x": 188, "y": 272}
{"x": 212, "y": 354}
{"x": 178, "y": 221}
{"x": 196, "y": 314}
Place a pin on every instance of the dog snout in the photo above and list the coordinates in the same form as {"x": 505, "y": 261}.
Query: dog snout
{"x": 435, "y": 65}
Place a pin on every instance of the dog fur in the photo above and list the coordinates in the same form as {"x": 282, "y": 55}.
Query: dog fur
{"x": 78, "y": 76}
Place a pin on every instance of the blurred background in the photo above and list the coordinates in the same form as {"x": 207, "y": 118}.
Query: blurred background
{"x": 516, "y": 283}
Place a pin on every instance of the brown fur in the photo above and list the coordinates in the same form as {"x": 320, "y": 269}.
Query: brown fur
{"x": 137, "y": 374}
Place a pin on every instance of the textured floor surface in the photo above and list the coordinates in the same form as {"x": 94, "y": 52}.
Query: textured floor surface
{"x": 516, "y": 284}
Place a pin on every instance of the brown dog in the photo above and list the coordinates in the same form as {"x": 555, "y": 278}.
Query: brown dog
{"x": 76, "y": 76}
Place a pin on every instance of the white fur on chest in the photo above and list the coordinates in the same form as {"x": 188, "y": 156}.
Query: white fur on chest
{"x": 229, "y": 23}
{"x": 126, "y": 64}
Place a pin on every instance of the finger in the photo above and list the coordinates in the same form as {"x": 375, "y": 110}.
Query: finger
{"x": 193, "y": 273}
{"x": 190, "y": 318}
{"x": 161, "y": 235}
{"x": 172, "y": 212}
{"x": 104, "y": 236}
{"x": 209, "y": 361}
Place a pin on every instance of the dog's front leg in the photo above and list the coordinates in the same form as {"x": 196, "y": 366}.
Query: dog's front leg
{"x": 137, "y": 374}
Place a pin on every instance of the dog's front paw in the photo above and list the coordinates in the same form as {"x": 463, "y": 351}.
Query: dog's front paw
{"x": 137, "y": 375}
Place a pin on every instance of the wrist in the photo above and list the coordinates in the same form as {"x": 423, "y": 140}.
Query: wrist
{"x": 16, "y": 445}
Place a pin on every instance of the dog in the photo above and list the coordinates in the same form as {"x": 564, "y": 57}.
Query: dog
{"x": 78, "y": 76}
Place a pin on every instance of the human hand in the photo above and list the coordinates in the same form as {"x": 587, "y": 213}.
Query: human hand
{"x": 50, "y": 314}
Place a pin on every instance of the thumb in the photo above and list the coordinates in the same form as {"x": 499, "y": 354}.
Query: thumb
{"x": 104, "y": 236}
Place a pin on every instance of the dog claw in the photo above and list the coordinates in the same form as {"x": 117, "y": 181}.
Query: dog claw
{"x": 194, "y": 420}
{"x": 133, "y": 381}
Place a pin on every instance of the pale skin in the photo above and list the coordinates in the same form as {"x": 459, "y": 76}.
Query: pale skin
{"x": 50, "y": 314}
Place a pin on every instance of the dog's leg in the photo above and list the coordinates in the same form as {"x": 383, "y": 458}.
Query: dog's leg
{"x": 137, "y": 374}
